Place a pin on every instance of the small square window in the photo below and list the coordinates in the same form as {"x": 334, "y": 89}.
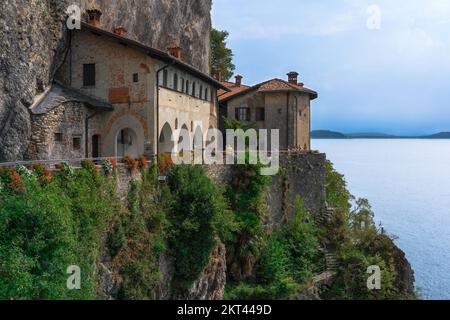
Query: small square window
{"x": 76, "y": 142}
{"x": 135, "y": 77}
{"x": 58, "y": 137}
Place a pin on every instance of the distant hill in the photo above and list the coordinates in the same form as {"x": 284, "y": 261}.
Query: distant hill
{"x": 326, "y": 134}
{"x": 371, "y": 135}
{"x": 440, "y": 135}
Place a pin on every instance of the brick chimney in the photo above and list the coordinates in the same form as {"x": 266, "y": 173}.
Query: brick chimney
{"x": 238, "y": 80}
{"x": 217, "y": 74}
{"x": 94, "y": 17}
{"x": 121, "y": 31}
{"x": 175, "y": 52}
{"x": 293, "y": 77}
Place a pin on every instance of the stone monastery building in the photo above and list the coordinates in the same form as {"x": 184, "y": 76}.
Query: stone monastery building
{"x": 116, "y": 97}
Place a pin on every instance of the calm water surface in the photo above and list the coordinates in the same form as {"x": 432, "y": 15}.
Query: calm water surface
{"x": 408, "y": 185}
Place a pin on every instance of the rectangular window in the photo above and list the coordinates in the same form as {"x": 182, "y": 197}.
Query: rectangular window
{"x": 76, "y": 143}
{"x": 243, "y": 114}
{"x": 165, "y": 78}
{"x": 135, "y": 77}
{"x": 175, "y": 82}
{"x": 194, "y": 89}
{"x": 260, "y": 114}
{"x": 89, "y": 75}
{"x": 58, "y": 137}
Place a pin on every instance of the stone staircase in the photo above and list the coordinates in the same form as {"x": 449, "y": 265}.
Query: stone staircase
{"x": 329, "y": 267}
{"x": 330, "y": 260}
{"x": 325, "y": 217}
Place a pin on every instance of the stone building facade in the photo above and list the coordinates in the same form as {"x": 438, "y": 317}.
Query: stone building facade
{"x": 274, "y": 104}
{"x": 117, "y": 97}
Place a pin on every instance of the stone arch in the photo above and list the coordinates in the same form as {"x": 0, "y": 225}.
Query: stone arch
{"x": 198, "y": 139}
{"x": 129, "y": 128}
{"x": 127, "y": 143}
{"x": 165, "y": 142}
{"x": 127, "y": 113}
{"x": 184, "y": 127}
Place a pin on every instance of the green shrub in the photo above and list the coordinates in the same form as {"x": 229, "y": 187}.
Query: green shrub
{"x": 139, "y": 239}
{"x": 196, "y": 207}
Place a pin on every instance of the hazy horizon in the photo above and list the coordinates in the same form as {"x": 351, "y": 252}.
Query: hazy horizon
{"x": 389, "y": 79}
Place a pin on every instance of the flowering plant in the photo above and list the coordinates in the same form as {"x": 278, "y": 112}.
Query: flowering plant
{"x": 165, "y": 162}
{"x": 142, "y": 162}
{"x": 24, "y": 171}
{"x": 43, "y": 174}
{"x": 13, "y": 181}
{"x": 131, "y": 164}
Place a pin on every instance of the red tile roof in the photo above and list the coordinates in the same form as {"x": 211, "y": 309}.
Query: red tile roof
{"x": 274, "y": 85}
{"x": 222, "y": 94}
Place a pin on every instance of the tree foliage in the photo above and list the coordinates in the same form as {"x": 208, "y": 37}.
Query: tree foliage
{"x": 221, "y": 55}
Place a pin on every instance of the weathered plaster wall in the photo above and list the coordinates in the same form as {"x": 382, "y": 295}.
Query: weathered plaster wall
{"x": 289, "y": 113}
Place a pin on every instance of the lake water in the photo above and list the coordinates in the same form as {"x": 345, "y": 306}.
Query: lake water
{"x": 408, "y": 185}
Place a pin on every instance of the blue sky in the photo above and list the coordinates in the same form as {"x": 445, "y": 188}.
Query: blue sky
{"x": 393, "y": 77}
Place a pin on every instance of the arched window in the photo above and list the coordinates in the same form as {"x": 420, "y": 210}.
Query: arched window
{"x": 193, "y": 89}
{"x": 175, "y": 81}
{"x": 165, "y": 78}
{"x": 200, "y": 95}
{"x": 182, "y": 85}
{"x": 187, "y": 87}
{"x": 206, "y": 94}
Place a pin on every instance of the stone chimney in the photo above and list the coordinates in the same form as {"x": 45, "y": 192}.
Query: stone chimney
{"x": 293, "y": 77}
{"x": 121, "y": 31}
{"x": 94, "y": 17}
{"x": 175, "y": 52}
{"x": 217, "y": 74}
{"x": 238, "y": 80}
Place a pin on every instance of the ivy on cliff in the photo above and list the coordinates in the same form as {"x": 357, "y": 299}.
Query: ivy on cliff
{"x": 198, "y": 215}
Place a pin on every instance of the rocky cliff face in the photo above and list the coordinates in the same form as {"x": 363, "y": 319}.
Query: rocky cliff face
{"x": 34, "y": 43}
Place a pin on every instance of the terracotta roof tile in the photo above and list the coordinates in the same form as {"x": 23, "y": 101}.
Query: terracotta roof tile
{"x": 267, "y": 86}
{"x": 222, "y": 94}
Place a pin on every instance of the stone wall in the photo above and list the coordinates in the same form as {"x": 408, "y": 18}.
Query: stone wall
{"x": 67, "y": 120}
{"x": 301, "y": 175}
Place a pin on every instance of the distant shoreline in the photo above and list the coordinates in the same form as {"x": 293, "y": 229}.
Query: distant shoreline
{"x": 327, "y": 134}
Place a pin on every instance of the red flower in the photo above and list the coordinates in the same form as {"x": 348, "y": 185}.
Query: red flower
{"x": 165, "y": 163}
{"x": 43, "y": 173}
{"x": 12, "y": 179}
{"x": 142, "y": 162}
{"x": 131, "y": 164}
{"x": 113, "y": 163}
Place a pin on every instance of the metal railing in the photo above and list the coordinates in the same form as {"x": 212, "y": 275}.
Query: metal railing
{"x": 73, "y": 162}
